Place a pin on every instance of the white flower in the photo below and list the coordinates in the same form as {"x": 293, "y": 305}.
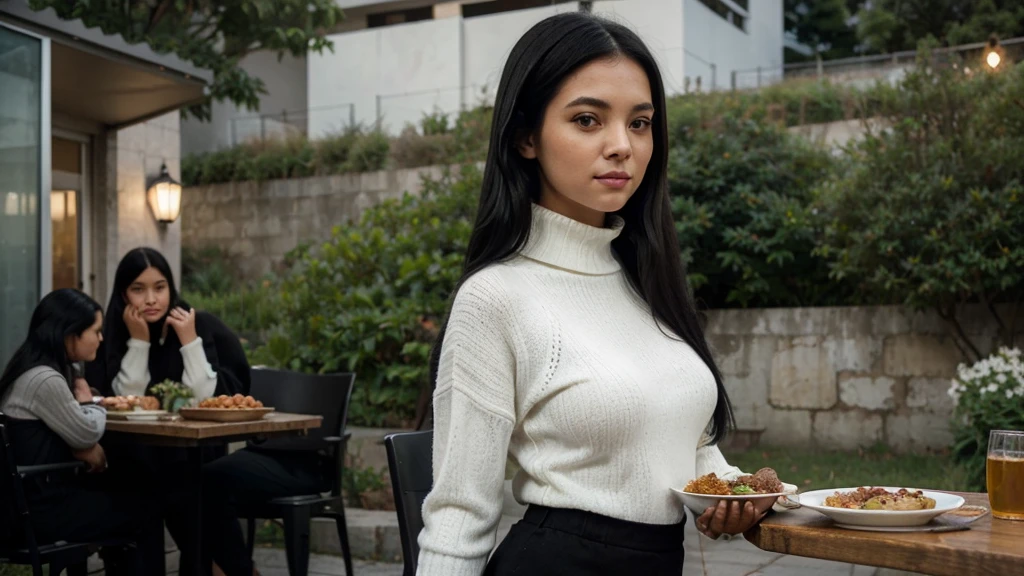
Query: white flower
{"x": 1009, "y": 394}
{"x": 1001, "y": 378}
{"x": 992, "y": 387}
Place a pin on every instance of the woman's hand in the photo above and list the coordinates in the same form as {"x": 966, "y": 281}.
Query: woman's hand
{"x": 82, "y": 391}
{"x": 732, "y": 517}
{"x": 138, "y": 328}
{"x": 184, "y": 323}
{"x": 95, "y": 457}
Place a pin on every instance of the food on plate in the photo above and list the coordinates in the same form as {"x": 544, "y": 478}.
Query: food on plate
{"x": 764, "y": 481}
{"x": 127, "y": 403}
{"x": 868, "y": 498}
{"x": 236, "y": 402}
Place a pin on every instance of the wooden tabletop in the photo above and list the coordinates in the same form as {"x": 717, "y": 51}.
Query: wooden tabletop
{"x": 196, "y": 431}
{"x": 991, "y": 547}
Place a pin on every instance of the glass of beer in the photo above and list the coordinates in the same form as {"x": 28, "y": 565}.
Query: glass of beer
{"x": 1005, "y": 474}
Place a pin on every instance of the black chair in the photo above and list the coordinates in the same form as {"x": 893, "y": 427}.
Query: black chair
{"x": 326, "y": 395}
{"x": 412, "y": 476}
{"x": 14, "y": 513}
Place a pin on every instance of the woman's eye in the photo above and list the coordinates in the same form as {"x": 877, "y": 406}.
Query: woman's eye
{"x": 640, "y": 123}
{"x": 586, "y": 121}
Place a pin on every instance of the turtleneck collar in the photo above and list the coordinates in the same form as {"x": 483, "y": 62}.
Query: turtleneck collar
{"x": 560, "y": 241}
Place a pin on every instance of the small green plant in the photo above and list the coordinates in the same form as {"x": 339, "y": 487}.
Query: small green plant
{"x": 173, "y": 395}
{"x": 988, "y": 395}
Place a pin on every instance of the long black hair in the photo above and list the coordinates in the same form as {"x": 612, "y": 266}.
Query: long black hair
{"x": 648, "y": 248}
{"x": 61, "y": 313}
{"x": 115, "y": 333}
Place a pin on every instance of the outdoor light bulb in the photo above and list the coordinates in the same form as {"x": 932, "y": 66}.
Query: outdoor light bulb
{"x": 992, "y": 59}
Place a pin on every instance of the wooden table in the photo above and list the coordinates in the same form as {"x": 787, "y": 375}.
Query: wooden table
{"x": 192, "y": 435}
{"x": 992, "y": 547}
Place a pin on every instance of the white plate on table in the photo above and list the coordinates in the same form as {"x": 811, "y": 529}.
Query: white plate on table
{"x": 135, "y": 415}
{"x": 866, "y": 519}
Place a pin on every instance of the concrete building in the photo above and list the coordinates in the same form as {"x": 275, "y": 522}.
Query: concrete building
{"x": 86, "y": 122}
{"x": 396, "y": 60}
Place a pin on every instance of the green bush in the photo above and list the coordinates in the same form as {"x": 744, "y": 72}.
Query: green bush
{"x": 988, "y": 395}
{"x": 740, "y": 195}
{"x": 929, "y": 212}
{"x": 369, "y": 300}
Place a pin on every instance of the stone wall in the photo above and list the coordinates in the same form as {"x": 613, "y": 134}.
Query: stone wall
{"x": 842, "y": 377}
{"x": 258, "y": 223}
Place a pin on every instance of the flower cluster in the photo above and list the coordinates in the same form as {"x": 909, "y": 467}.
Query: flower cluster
{"x": 1001, "y": 374}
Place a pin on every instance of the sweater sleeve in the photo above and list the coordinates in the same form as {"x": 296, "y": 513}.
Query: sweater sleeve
{"x": 710, "y": 459}
{"x": 199, "y": 374}
{"x": 474, "y": 413}
{"x": 79, "y": 426}
{"x": 133, "y": 377}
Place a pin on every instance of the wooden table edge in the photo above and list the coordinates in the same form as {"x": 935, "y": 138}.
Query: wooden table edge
{"x": 776, "y": 539}
{"x": 209, "y": 432}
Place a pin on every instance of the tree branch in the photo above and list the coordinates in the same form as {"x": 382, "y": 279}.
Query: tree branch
{"x": 972, "y": 353}
{"x": 157, "y": 14}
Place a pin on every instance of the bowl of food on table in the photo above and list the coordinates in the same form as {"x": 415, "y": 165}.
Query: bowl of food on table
{"x": 880, "y": 506}
{"x": 224, "y": 408}
{"x": 763, "y": 488}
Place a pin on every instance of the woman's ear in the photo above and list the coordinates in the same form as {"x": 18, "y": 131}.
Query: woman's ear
{"x": 527, "y": 149}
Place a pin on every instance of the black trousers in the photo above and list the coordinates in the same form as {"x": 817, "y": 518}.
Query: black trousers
{"x": 560, "y": 542}
{"x": 77, "y": 513}
{"x": 248, "y": 477}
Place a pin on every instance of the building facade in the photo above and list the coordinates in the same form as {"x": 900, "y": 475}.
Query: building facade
{"x": 394, "y": 61}
{"x": 86, "y": 121}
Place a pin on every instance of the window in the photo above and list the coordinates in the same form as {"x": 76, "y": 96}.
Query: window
{"x": 497, "y": 6}
{"x": 735, "y": 12}
{"x": 399, "y": 17}
{"x": 21, "y": 133}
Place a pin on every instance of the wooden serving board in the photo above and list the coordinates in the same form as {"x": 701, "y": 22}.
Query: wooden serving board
{"x": 224, "y": 414}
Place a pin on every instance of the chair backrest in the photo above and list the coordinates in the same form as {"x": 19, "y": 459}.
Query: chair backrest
{"x": 412, "y": 476}
{"x": 13, "y": 506}
{"x": 325, "y": 395}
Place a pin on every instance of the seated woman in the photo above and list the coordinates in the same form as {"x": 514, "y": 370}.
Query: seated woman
{"x": 52, "y": 421}
{"x": 151, "y": 336}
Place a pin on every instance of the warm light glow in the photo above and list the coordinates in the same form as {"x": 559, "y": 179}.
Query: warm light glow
{"x": 993, "y": 59}
{"x": 56, "y": 206}
{"x": 72, "y": 209}
{"x": 165, "y": 200}
{"x": 11, "y": 204}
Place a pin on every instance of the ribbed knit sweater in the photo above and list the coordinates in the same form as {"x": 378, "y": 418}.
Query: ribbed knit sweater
{"x": 553, "y": 369}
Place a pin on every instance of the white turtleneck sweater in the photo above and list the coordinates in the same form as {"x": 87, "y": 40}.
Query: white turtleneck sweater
{"x": 554, "y": 369}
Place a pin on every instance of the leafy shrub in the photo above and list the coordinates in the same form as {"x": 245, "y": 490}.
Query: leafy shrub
{"x": 369, "y": 152}
{"x": 988, "y": 395}
{"x": 740, "y": 195}
{"x": 369, "y": 300}
{"x": 929, "y": 212}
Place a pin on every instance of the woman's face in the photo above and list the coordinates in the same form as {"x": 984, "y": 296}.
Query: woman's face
{"x": 150, "y": 294}
{"x": 595, "y": 140}
{"x": 83, "y": 347}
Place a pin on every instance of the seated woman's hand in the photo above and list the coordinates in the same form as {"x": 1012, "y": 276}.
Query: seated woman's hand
{"x": 95, "y": 457}
{"x": 733, "y": 517}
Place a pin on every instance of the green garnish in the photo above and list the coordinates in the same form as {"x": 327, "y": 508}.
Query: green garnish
{"x": 743, "y": 489}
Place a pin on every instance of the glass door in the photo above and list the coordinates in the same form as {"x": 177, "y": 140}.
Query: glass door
{"x": 24, "y": 117}
{"x": 68, "y": 211}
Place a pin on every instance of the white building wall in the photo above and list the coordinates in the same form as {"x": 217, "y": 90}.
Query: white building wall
{"x": 710, "y": 38}
{"x": 489, "y": 40}
{"x": 444, "y": 64}
{"x": 414, "y": 69}
{"x": 659, "y": 25}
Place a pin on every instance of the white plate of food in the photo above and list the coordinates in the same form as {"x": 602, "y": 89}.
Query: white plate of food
{"x": 137, "y": 415}
{"x": 762, "y": 487}
{"x": 879, "y": 506}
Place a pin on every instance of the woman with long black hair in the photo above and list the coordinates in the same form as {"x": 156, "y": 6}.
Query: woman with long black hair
{"x": 573, "y": 355}
{"x": 53, "y": 419}
{"x": 152, "y": 335}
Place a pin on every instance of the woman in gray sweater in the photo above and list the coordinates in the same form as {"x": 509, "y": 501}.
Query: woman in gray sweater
{"x": 53, "y": 420}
